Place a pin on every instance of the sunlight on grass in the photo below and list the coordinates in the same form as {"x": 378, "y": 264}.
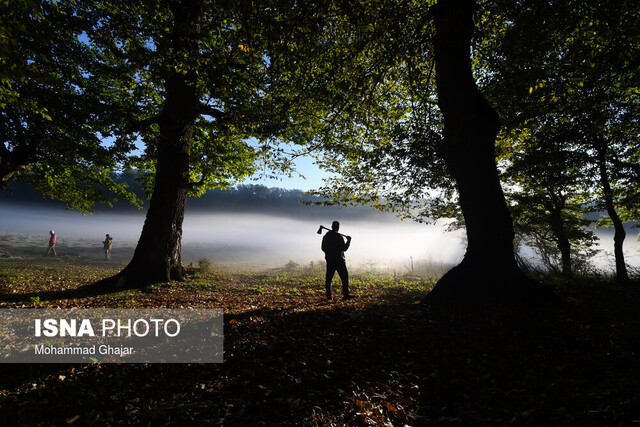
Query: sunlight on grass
{"x": 206, "y": 286}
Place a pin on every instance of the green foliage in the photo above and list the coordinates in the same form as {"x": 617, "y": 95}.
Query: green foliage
{"x": 89, "y": 94}
{"x": 315, "y": 268}
{"x": 365, "y": 77}
{"x": 382, "y": 139}
{"x": 51, "y": 119}
{"x": 204, "y": 265}
{"x": 355, "y": 82}
{"x": 138, "y": 47}
{"x": 556, "y": 91}
{"x": 292, "y": 266}
{"x": 566, "y": 96}
{"x": 533, "y": 230}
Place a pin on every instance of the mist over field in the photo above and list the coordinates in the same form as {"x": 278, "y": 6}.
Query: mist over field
{"x": 260, "y": 240}
{"x": 246, "y": 239}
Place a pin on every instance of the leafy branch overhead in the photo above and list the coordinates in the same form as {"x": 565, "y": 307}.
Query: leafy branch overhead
{"x": 561, "y": 94}
{"x": 51, "y": 124}
{"x": 400, "y": 105}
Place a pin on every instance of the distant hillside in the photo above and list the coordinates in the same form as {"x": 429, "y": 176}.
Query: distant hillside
{"x": 242, "y": 198}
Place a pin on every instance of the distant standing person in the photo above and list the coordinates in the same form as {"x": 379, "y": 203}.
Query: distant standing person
{"x": 108, "y": 242}
{"x": 52, "y": 243}
{"x": 334, "y": 246}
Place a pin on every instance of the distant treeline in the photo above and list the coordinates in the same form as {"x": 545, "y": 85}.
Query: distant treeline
{"x": 246, "y": 198}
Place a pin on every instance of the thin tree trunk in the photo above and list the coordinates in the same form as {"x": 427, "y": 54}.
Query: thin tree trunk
{"x": 555, "y": 207}
{"x": 157, "y": 257}
{"x": 489, "y": 269}
{"x": 619, "y": 235}
{"x": 561, "y": 238}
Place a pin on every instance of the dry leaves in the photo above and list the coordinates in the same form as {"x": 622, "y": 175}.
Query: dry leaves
{"x": 293, "y": 358}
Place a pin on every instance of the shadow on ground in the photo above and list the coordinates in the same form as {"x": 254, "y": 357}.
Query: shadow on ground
{"x": 86, "y": 291}
{"x": 376, "y": 363}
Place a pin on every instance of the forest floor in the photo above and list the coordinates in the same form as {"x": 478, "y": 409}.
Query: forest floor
{"x": 293, "y": 358}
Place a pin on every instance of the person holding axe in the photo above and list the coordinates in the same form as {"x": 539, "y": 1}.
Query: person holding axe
{"x": 334, "y": 246}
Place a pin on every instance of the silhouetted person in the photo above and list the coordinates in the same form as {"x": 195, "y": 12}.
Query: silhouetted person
{"x": 334, "y": 246}
{"x": 108, "y": 242}
{"x": 52, "y": 243}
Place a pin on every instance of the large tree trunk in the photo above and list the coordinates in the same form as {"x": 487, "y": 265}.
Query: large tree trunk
{"x": 489, "y": 271}
{"x": 157, "y": 255}
{"x": 619, "y": 236}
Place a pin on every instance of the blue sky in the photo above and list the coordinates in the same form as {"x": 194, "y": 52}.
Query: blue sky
{"x": 306, "y": 167}
{"x": 313, "y": 175}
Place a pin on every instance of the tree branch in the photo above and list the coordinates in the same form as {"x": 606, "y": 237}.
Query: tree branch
{"x": 635, "y": 167}
{"x": 142, "y": 125}
{"x": 211, "y": 111}
{"x": 193, "y": 185}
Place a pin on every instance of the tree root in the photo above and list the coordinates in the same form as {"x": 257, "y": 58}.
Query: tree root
{"x": 473, "y": 286}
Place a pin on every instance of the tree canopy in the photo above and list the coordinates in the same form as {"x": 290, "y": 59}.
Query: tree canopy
{"x": 558, "y": 92}
{"x": 404, "y": 115}
{"x": 52, "y": 125}
{"x": 567, "y": 97}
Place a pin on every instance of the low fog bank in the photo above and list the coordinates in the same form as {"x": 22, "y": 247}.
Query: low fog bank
{"x": 245, "y": 239}
{"x": 251, "y": 240}
{"x": 605, "y": 259}
{"x": 262, "y": 239}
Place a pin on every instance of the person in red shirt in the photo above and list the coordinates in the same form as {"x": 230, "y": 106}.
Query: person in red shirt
{"x": 52, "y": 243}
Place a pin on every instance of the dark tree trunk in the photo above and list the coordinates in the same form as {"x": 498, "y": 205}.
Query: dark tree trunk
{"x": 619, "y": 236}
{"x": 489, "y": 270}
{"x": 557, "y": 227}
{"x": 563, "y": 243}
{"x": 18, "y": 159}
{"x": 157, "y": 256}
